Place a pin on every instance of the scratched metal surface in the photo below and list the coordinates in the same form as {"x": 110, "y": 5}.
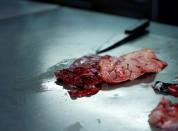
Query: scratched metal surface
{"x": 32, "y": 45}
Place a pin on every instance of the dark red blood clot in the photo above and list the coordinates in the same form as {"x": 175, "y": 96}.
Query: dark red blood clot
{"x": 85, "y": 92}
{"x": 82, "y": 76}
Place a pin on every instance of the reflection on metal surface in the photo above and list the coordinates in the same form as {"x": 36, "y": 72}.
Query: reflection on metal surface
{"x": 44, "y": 81}
{"x": 48, "y": 85}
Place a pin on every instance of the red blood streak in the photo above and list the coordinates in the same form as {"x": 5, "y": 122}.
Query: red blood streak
{"x": 81, "y": 93}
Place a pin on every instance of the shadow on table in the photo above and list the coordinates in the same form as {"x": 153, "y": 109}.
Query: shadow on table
{"x": 145, "y": 80}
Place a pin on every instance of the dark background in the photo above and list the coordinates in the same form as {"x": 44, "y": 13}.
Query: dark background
{"x": 164, "y": 11}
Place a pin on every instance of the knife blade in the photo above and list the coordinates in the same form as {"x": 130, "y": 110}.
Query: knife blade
{"x": 131, "y": 33}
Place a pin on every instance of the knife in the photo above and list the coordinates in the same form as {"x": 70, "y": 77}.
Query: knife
{"x": 131, "y": 33}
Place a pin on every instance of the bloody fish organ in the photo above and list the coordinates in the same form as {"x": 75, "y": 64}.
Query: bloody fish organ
{"x": 165, "y": 115}
{"x": 82, "y": 77}
{"x": 87, "y": 72}
{"x": 166, "y": 88}
{"x": 130, "y": 66}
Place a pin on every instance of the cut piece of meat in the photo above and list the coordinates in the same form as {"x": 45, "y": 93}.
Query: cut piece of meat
{"x": 82, "y": 76}
{"x": 83, "y": 72}
{"x": 165, "y": 115}
{"x": 79, "y": 76}
{"x": 88, "y": 71}
{"x": 129, "y": 66}
{"x": 166, "y": 88}
{"x": 113, "y": 70}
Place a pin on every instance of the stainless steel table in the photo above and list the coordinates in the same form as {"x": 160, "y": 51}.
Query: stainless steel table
{"x": 9, "y": 9}
{"x": 30, "y": 47}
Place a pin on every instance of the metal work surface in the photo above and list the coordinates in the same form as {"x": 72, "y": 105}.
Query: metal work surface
{"x": 9, "y": 9}
{"x": 31, "y": 46}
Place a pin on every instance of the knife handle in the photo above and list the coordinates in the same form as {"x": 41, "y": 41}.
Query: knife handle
{"x": 138, "y": 27}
